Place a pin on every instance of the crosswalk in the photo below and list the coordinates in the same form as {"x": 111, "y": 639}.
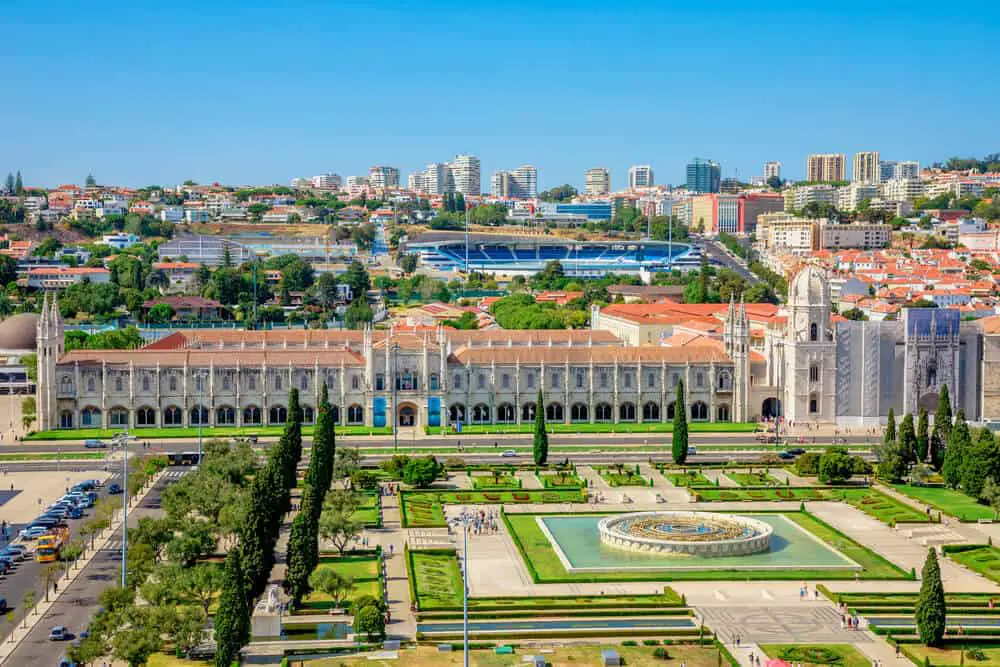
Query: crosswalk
{"x": 174, "y": 475}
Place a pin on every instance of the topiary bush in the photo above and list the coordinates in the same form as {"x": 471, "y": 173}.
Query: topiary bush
{"x": 661, "y": 654}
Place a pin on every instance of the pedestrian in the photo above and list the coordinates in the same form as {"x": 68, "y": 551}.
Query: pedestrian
{"x": 897, "y": 651}
{"x": 55, "y": 586}
{"x": 391, "y": 548}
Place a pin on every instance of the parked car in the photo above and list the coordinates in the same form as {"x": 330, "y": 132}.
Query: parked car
{"x": 3, "y": 605}
{"x": 76, "y": 513}
{"x": 16, "y": 556}
{"x": 509, "y": 454}
{"x": 59, "y": 633}
{"x": 32, "y": 532}
{"x": 115, "y": 488}
{"x": 20, "y": 548}
{"x": 94, "y": 444}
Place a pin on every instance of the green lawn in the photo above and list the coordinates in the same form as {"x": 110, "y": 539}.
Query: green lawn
{"x": 819, "y": 655}
{"x": 628, "y": 476}
{"x": 880, "y": 506}
{"x": 180, "y": 432}
{"x": 435, "y": 579}
{"x": 657, "y": 427}
{"x": 722, "y": 494}
{"x": 423, "y": 509}
{"x": 545, "y": 566}
{"x": 557, "y": 481}
{"x": 950, "y": 502}
{"x": 367, "y": 514}
{"x": 753, "y": 478}
{"x": 489, "y": 482}
{"x": 363, "y": 569}
{"x": 53, "y": 456}
{"x": 952, "y": 656}
{"x": 982, "y": 559}
{"x": 689, "y": 478}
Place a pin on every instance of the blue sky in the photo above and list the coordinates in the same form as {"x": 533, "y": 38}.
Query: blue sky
{"x": 247, "y": 92}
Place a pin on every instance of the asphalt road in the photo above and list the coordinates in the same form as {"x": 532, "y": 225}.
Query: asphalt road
{"x": 78, "y": 604}
{"x": 718, "y": 252}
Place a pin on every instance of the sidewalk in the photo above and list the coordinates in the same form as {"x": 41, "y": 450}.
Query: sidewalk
{"x": 402, "y": 624}
{"x": 37, "y": 613}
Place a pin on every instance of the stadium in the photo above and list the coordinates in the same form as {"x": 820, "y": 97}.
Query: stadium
{"x": 524, "y": 256}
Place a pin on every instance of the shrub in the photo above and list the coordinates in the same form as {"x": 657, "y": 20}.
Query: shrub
{"x": 630, "y": 642}
{"x": 661, "y": 654}
{"x": 364, "y": 480}
{"x": 976, "y": 654}
{"x": 650, "y": 642}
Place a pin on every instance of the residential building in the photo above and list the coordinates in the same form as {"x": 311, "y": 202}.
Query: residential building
{"x": 208, "y": 250}
{"x": 383, "y": 177}
{"x": 850, "y": 197}
{"x": 703, "y": 176}
{"x": 465, "y": 177}
{"x": 779, "y": 233}
{"x": 433, "y": 180}
{"x": 181, "y": 275}
{"x": 121, "y": 240}
{"x": 755, "y": 204}
{"x": 858, "y": 235}
{"x": 521, "y": 183}
{"x": 172, "y": 214}
{"x": 598, "y": 181}
{"x": 796, "y": 198}
{"x": 460, "y": 175}
{"x": 188, "y": 308}
{"x": 867, "y": 168}
{"x": 729, "y": 185}
{"x": 772, "y": 169}
{"x": 194, "y": 215}
{"x": 356, "y": 185}
{"x": 61, "y": 277}
{"x": 894, "y": 169}
{"x": 902, "y": 189}
{"x": 825, "y": 167}
{"x": 640, "y": 176}
{"x": 327, "y": 182}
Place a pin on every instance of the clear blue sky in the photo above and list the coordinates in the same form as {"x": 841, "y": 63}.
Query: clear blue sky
{"x": 240, "y": 92}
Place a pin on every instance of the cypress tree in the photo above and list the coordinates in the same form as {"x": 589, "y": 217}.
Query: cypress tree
{"x": 18, "y": 184}
{"x": 232, "y": 619}
{"x": 959, "y": 443}
{"x": 942, "y": 428}
{"x": 541, "y": 445}
{"x": 679, "y": 437}
{"x": 930, "y": 610}
{"x": 300, "y": 565}
{"x": 908, "y": 439}
{"x": 923, "y": 436}
{"x": 890, "y": 429}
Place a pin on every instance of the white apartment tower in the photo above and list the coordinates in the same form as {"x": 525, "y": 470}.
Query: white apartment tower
{"x": 598, "y": 182}
{"x": 867, "y": 168}
{"x": 521, "y": 183}
{"x": 383, "y": 177}
{"x": 772, "y": 169}
{"x": 899, "y": 169}
{"x": 327, "y": 182}
{"x": 465, "y": 175}
{"x": 640, "y": 176}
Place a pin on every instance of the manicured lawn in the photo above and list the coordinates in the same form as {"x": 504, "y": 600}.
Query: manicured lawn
{"x": 217, "y": 432}
{"x": 839, "y": 655}
{"x": 984, "y": 559}
{"x": 951, "y": 502}
{"x": 363, "y": 569}
{"x": 52, "y": 456}
{"x": 545, "y": 566}
{"x": 489, "y": 482}
{"x": 423, "y": 509}
{"x": 752, "y": 478}
{"x": 721, "y": 494}
{"x": 557, "y": 481}
{"x": 877, "y": 504}
{"x": 698, "y": 427}
{"x": 368, "y": 512}
{"x": 669, "y": 599}
{"x": 437, "y": 580}
{"x": 690, "y": 478}
{"x": 628, "y": 476}
{"x": 164, "y": 660}
{"x": 634, "y": 656}
{"x": 952, "y": 657}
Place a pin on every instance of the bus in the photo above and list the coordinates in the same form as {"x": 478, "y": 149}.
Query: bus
{"x": 48, "y": 546}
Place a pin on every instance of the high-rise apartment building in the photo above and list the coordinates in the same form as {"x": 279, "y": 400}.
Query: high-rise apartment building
{"x": 598, "y": 181}
{"x": 867, "y": 168}
{"x": 772, "y": 169}
{"x": 465, "y": 175}
{"x": 640, "y": 176}
{"x": 703, "y": 175}
{"x": 898, "y": 169}
{"x": 460, "y": 175}
{"x": 433, "y": 180}
{"x": 521, "y": 183}
{"x": 327, "y": 182}
{"x": 825, "y": 167}
{"x": 383, "y": 177}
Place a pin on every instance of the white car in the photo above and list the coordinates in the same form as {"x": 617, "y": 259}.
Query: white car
{"x": 509, "y": 454}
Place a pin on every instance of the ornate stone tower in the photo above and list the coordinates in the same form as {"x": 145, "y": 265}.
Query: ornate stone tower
{"x": 49, "y": 345}
{"x": 810, "y": 350}
{"x": 932, "y": 357}
{"x": 736, "y": 338}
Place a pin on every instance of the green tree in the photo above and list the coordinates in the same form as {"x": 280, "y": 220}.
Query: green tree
{"x": 18, "y": 184}
{"x": 200, "y": 584}
{"x": 300, "y": 546}
{"x": 908, "y": 439}
{"x": 942, "y": 428}
{"x": 923, "y": 436}
{"x": 337, "y": 523}
{"x": 991, "y": 494}
{"x": 161, "y": 313}
{"x": 981, "y": 463}
{"x": 540, "y": 449}
{"x": 930, "y": 610}
{"x": 679, "y": 437}
{"x": 421, "y": 472}
{"x": 408, "y": 263}
{"x": 959, "y": 444}
{"x": 232, "y": 618}
{"x": 331, "y": 583}
{"x": 836, "y": 466}
{"x": 370, "y": 621}
{"x": 357, "y": 314}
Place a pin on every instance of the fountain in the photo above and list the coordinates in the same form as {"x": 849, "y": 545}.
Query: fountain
{"x": 685, "y": 533}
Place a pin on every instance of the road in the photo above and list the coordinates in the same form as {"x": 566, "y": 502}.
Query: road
{"x": 718, "y": 252}
{"x": 78, "y": 604}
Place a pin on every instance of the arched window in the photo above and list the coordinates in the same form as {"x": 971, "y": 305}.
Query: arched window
{"x": 118, "y": 384}
{"x": 251, "y": 415}
{"x": 813, "y": 404}
{"x": 225, "y": 416}
{"x": 626, "y": 412}
{"x": 555, "y": 380}
{"x": 118, "y": 416}
{"x": 725, "y": 381}
{"x": 505, "y": 413}
{"x": 435, "y": 382}
{"x": 456, "y": 413}
{"x": 277, "y": 383}
{"x": 145, "y": 416}
{"x": 602, "y": 412}
{"x": 530, "y": 380}
{"x": 579, "y": 380}
{"x": 722, "y": 413}
{"x": 481, "y": 381}
{"x": 173, "y": 383}
{"x": 308, "y": 415}
{"x": 671, "y": 406}
{"x": 932, "y": 376}
{"x": 277, "y": 414}
{"x": 699, "y": 379}
{"x": 172, "y": 416}
{"x": 90, "y": 384}
{"x": 651, "y": 379}
{"x": 480, "y": 414}
{"x": 65, "y": 419}
{"x": 145, "y": 383}
{"x": 335, "y": 413}
{"x": 627, "y": 380}
{"x": 66, "y": 385}
{"x": 304, "y": 382}
{"x": 457, "y": 381}
{"x": 199, "y": 415}
{"x": 527, "y": 412}
{"x": 554, "y": 412}
{"x": 252, "y": 383}
{"x": 699, "y": 411}
{"x": 814, "y": 373}
{"x": 813, "y": 332}
{"x": 355, "y": 414}
{"x": 379, "y": 382}
{"x": 650, "y": 411}
{"x": 227, "y": 382}
{"x": 505, "y": 381}
{"x": 90, "y": 416}
{"x": 578, "y": 412}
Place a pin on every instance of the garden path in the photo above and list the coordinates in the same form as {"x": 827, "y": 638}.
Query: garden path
{"x": 716, "y": 476}
{"x": 662, "y": 486}
{"x": 529, "y": 480}
{"x": 402, "y": 624}
{"x": 594, "y": 481}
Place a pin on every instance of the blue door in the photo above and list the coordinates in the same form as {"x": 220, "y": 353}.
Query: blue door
{"x": 434, "y": 411}
{"x": 378, "y": 416}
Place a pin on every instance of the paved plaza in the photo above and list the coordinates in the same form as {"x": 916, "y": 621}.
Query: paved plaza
{"x": 812, "y": 623}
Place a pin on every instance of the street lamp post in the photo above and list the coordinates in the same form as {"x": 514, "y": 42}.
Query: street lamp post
{"x": 395, "y": 406}
{"x": 202, "y": 412}
{"x": 123, "y": 438}
{"x": 463, "y": 520}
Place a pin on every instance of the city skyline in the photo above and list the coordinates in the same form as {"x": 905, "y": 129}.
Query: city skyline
{"x": 261, "y": 131}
